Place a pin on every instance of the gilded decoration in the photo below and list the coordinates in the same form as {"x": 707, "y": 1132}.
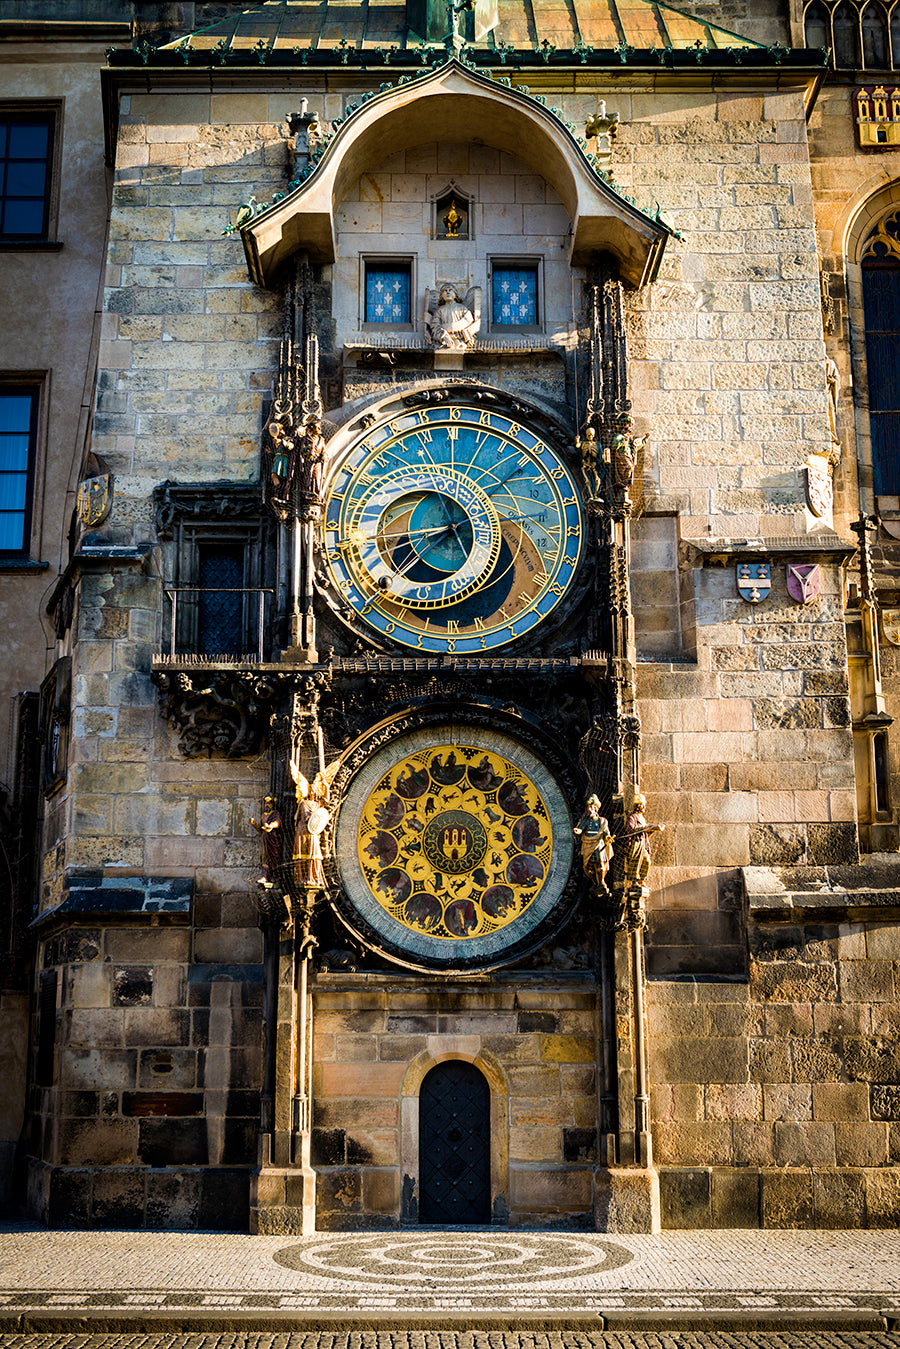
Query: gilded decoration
{"x": 455, "y": 841}
{"x": 454, "y": 847}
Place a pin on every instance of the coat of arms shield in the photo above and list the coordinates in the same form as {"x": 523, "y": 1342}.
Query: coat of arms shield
{"x": 94, "y": 500}
{"x": 819, "y": 492}
{"x": 890, "y": 626}
{"x": 754, "y": 580}
{"x": 804, "y": 582}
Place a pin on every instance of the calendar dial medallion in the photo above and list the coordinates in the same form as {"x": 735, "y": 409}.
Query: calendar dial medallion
{"x": 452, "y": 528}
{"x": 454, "y": 846}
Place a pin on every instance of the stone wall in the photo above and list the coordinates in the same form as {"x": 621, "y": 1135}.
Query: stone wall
{"x": 153, "y": 1113}
{"x": 774, "y": 1102}
{"x": 535, "y": 1043}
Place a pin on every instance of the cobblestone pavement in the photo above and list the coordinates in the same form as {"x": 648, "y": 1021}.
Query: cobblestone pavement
{"x": 432, "y": 1339}
{"x": 839, "y": 1279}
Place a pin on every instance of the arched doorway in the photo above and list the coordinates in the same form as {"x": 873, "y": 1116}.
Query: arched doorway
{"x": 454, "y": 1145}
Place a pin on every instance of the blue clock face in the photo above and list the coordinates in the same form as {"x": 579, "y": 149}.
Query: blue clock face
{"x": 452, "y": 528}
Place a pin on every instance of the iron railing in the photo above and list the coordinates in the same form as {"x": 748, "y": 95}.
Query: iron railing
{"x": 243, "y": 623}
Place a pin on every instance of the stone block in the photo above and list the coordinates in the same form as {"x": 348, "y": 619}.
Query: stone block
{"x": 687, "y": 1143}
{"x": 724, "y": 1101}
{"x": 858, "y": 1143}
{"x": 839, "y": 1198}
{"x": 694, "y": 1059}
{"x": 173, "y": 1142}
{"x": 735, "y": 1197}
{"x": 339, "y": 1191}
{"x": 804, "y": 1144}
{"x": 362, "y": 1079}
{"x": 567, "y": 1048}
{"x": 787, "y": 1103}
{"x": 381, "y": 1191}
{"x": 173, "y": 1200}
{"x": 551, "y": 1189}
{"x": 787, "y": 1200}
{"x": 883, "y": 1197}
{"x": 535, "y": 1144}
{"x": 98, "y": 1142}
{"x": 627, "y": 1200}
{"x": 684, "y": 1196}
{"x": 867, "y": 981}
{"x": 224, "y": 1200}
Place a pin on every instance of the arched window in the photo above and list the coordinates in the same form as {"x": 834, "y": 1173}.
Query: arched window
{"x": 845, "y": 25}
{"x": 874, "y": 31}
{"x": 816, "y": 26}
{"x": 895, "y": 35}
{"x": 881, "y": 305}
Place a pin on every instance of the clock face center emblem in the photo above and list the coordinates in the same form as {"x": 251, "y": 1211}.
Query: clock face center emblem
{"x": 454, "y": 842}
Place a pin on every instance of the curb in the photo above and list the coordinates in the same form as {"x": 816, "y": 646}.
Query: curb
{"x": 152, "y": 1321}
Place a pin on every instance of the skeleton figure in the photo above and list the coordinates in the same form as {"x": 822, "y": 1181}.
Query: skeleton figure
{"x": 451, "y": 324}
{"x": 590, "y": 463}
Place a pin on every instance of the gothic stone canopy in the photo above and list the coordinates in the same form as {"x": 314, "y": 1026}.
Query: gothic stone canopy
{"x": 456, "y": 103}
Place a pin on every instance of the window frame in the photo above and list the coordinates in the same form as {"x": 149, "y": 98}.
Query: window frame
{"x": 386, "y": 260}
{"x": 517, "y": 262}
{"x": 14, "y": 384}
{"x": 51, "y": 110}
{"x": 194, "y": 538}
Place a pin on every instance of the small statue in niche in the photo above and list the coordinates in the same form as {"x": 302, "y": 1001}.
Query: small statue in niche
{"x": 284, "y": 459}
{"x": 833, "y": 385}
{"x": 269, "y": 828}
{"x": 312, "y": 462}
{"x": 590, "y": 461}
{"x": 310, "y": 819}
{"x": 637, "y": 843}
{"x": 596, "y": 844}
{"x": 452, "y": 220}
{"x": 625, "y": 451}
{"x": 452, "y": 324}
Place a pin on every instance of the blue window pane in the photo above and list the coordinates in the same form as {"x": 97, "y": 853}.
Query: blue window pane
{"x": 514, "y": 296}
{"x": 3, "y": 130}
{"x": 26, "y": 179}
{"x": 387, "y": 294}
{"x": 13, "y": 487}
{"x": 12, "y": 531}
{"x": 23, "y": 217}
{"x": 28, "y": 140}
{"x": 15, "y": 412}
{"x": 14, "y": 453}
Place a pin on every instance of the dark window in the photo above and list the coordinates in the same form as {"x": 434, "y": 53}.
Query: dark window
{"x": 514, "y": 295}
{"x": 388, "y": 289}
{"x": 18, "y": 426}
{"x": 846, "y": 37}
{"x": 817, "y": 31}
{"x": 882, "y": 774}
{"x": 881, "y": 304}
{"x": 221, "y": 599}
{"x": 874, "y": 28}
{"x": 26, "y": 148}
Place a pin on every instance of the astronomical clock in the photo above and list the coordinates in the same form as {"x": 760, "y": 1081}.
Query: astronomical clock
{"x": 452, "y": 529}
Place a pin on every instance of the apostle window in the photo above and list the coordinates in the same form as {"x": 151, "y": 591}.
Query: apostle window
{"x": 18, "y": 431}
{"x": 388, "y": 292}
{"x": 26, "y": 161}
{"x": 515, "y": 287}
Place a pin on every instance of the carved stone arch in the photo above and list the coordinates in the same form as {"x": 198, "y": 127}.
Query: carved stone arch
{"x": 456, "y": 103}
{"x": 441, "y": 1048}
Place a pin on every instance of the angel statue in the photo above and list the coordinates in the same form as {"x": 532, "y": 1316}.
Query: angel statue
{"x": 310, "y": 819}
{"x": 452, "y": 324}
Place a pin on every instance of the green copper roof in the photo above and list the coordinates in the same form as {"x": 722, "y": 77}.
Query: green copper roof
{"x": 279, "y": 26}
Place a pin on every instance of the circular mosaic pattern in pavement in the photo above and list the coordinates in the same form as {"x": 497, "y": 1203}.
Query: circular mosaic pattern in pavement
{"x": 435, "y": 1259}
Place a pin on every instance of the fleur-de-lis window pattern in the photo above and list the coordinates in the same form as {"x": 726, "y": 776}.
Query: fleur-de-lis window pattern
{"x": 514, "y": 296}
{"x": 387, "y": 293}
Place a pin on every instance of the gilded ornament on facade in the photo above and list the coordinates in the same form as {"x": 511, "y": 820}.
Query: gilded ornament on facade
{"x": 876, "y": 109}
{"x": 890, "y": 626}
{"x": 94, "y": 500}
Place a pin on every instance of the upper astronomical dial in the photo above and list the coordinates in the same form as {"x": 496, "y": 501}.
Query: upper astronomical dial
{"x": 452, "y": 528}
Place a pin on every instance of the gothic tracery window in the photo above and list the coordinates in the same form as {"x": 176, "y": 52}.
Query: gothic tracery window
{"x": 881, "y": 305}
{"x": 845, "y": 28}
{"x": 874, "y": 32}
